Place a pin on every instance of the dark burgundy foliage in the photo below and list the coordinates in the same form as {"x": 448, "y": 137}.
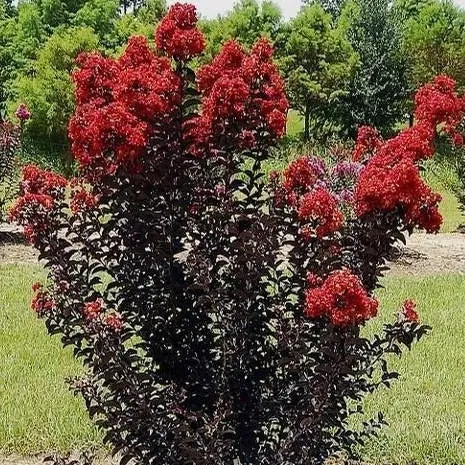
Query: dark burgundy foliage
{"x": 219, "y": 314}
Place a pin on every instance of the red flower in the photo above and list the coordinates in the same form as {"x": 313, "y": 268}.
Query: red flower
{"x": 368, "y": 141}
{"x": 31, "y": 211}
{"x": 438, "y": 103}
{"x": 228, "y": 97}
{"x": 341, "y": 299}
{"x": 92, "y": 310}
{"x": 114, "y": 321}
{"x": 408, "y": 312}
{"x": 121, "y": 103}
{"x": 301, "y": 176}
{"x": 82, "y": 200}
{"x": 42, "y": 303}
{"x": 243, "y": 97}
{"x": 95, "y": 78}
{"x": 36, "y": 286}
{"x": 319, "y": 209}
{"x": 108, "y": 136}
{"x": 40, "y": 191}
{"x": 384, "y": 188}
{"x": 38, "y": 181}
{"x": 178, "y": 35}
{"x": 146, "y": 84}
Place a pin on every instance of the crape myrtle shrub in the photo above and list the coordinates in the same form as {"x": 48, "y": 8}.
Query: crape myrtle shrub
{"x": 218, "y": 313}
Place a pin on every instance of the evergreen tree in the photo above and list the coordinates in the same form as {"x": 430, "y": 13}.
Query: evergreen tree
{"x": 379, "y": 88}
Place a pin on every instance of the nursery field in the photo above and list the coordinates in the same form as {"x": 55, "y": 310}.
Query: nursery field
{"x": 38, "y": 413}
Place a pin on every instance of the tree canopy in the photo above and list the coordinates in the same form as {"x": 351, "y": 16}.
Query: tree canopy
{"x": 318, "y": 63}
{"x": 379, "y": 86}
{"x": 434, "y": 41}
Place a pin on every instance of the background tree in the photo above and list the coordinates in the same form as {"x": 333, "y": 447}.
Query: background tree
{"x": 7, "y": 32}
{"x": 29, "y": 35}
{"x": 100, "y": 16}
{"x": 333, "y": 7}
{"x": 319, "y": 62}
{"x": 48, "y": 92}
{"x": 247, "y": 22}
{"x": 434, "y": 41}
{"x": 152, "y": 11}
{"x": 379, "y": 86}
{"x": 407, "y": 9}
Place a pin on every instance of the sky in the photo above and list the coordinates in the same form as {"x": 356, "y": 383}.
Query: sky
{"x": 211, "y": 8}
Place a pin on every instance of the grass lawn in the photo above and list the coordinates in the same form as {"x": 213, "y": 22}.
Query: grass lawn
{"x": 295, "y": 123}
{"x": 426, "y": 409}
{"x": 440, "y": 179}
{"x": 37, "y": 412}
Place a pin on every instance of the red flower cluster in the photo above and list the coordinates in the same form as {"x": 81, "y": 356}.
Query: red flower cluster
{"x": 82, "y": 200}
{"x": 341, "y": 299}
{"x": 119, "y": 105}
{"x": 38, "y": 181}
{"x": 42, "y": 302}
{"x": 392, "y": 178}
{"x": 92, "y": 310}
{"x": 31, "y": 211}
{"x": 408, "y": 312}
{"x": 384, "y": 188}
{"x": 40, "y": 190}
{"x": 368, "y": 141}
{"x": 301, "y": 176}
{"x": 438, "y": 103}
{"x": 114, "y": 321}
{"x": 243, "y": 94}
{"x": 178, "y": 35}
{"x": 320, "y": 212}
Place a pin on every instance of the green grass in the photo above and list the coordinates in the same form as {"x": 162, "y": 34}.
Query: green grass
{"x": 450, "y": 210}
{"x": 425, "y": 409}
{"x": 442, "y": 176}
{"x": 37, "y": 411}
{"x": 295, "y": 123}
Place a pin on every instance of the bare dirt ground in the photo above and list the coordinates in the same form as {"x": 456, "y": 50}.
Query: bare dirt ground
{"x": 11, "y": 253}
{"x": 427, "y": 254}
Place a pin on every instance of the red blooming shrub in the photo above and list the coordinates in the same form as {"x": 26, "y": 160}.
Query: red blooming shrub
{"x": 341, "y": 299}
{"x": 41, "y": 193}
{"x": 391, "y": 178}
{"x": 218, "y": 315}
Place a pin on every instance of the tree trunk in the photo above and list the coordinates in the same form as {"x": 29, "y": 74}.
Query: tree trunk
{"x": 411, "y": 120}
{"x": 307, "y": 123}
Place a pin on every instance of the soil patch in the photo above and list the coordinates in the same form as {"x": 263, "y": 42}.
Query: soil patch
{"x": 429, "y": 254}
